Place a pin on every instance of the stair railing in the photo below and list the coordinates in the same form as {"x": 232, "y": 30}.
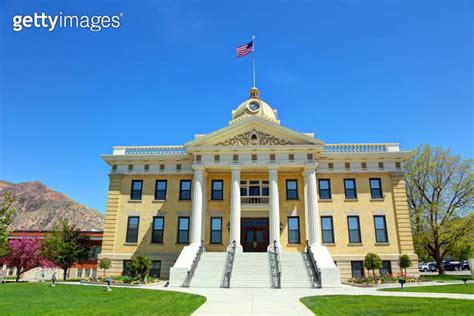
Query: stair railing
{"x": 190, "y": 273}
{"x": 229, "y": 263}
{"x": 314, "y": 271}
{"x": 275, "y": 266}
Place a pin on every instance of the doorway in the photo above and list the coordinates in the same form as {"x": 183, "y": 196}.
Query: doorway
{"x": 254, "y": 234}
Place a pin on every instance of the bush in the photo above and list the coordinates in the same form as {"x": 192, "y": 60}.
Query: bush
{"x": 372, "y": 262}
{"x": 405, "y": 262}
{"x": 141, "y": 267}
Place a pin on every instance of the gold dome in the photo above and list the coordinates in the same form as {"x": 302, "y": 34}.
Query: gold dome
{"x": 254, "y": 106}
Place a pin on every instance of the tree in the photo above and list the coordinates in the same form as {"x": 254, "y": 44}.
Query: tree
{"x": 440, "y": 194}
{"x": 464, "y": 247}
{"x": 141, "y": 267}
{"x": 6, "y": 217}
{"x": 404, "y": 263}
{"x": 24, "y": 255}
{"x": 64, "y": 246}
{"x": 372, "y": 262}
{"x": 104, "y": 264}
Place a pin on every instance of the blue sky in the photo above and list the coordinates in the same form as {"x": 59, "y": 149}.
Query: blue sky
{"x": 350, "y": 71}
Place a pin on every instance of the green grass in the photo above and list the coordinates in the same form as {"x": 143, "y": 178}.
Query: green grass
{"x": 41, "y": 299}
{"x": 444, "y": 278}
{"x": 451, "y": 288}
{"x": 386, "y": 305}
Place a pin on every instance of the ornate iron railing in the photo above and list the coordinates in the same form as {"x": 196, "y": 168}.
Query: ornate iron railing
{"x": 229, "y": 263}
{"x": 190, "y": 274}
{"x": 312, "y": 265}
{"x": 150, "y": 150}
{"x": 275, "y": 266}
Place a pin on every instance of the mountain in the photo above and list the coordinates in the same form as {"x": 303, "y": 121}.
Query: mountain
{"x": 40, "y": 208}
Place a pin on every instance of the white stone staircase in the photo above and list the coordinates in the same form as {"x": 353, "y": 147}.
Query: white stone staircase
{"x": 209, "y": 270}
{"x": 250, "y": 270}
{"x": 294, "y": 273}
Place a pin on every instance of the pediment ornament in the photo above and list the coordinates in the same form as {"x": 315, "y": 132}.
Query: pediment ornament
{"x": 254, "y": 138}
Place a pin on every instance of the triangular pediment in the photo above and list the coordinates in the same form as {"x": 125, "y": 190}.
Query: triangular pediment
{"x": 254, "y": 131}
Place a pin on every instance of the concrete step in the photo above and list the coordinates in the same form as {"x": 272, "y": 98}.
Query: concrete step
{"x": 294, "y": 273}
{"x": 209, "y": 270}
{"x": 250, "y": 270}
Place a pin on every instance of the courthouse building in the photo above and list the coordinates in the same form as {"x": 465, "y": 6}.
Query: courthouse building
{"x": 257, "y": 204}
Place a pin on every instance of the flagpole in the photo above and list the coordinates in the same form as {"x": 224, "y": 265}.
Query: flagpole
{"x": 253, "y": 61}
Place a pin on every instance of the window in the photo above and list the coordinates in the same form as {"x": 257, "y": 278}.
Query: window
{"x": 363, "y": 165}
{"x": 376, "y": 188}
{"x": 155, "y": 269}
{"x": 217, "y": 158}
{"x": 398, "y": 166}
{"x": 136, "y": 193}
{"x": 235, "y": 158}
{"x": 291, "y": 157}
{"x": 350, "y": 188}
{"x": 380, "y": 229}
{"x": 357, "y": 269}
{"x": 198, "y": 158}
{"x": 147, "y": 168}
{"x": 217, "y": 190}
{"x": 183, "y": 230}
{"x": 327, "y": 229}
{"x": 132, "y": 229}
{"x": 87, "y": 273}
{"x": 243, "y": 188}
{"x": 127, "y": 267}
{"x": 265, "y": 188}
{"x": 79, "y": 273}
{"x": 216, "y": 230}
{"x": 354, "y": 229}
{"x": 157, "y": 229}
{"x": 293, "y": 230}
{"x": 291, "y": 189}
{"x": 310, "y": 157}
{"x": 386, "y": 267}
{"x": 348, "y": 165}
{"x": 331, "y": 166}
{"x": 324, "y": 189}
{"x": 130, "y": 168}
{"x": 162, "y": 168}
{"x": 254, "y": 158}
{"x": 160, "y": 190}
{"x": 272, "y": 157}
{"x": 94, "y": 273}
{"x": 381, "y": 165}
{"x": 178, "y": 167}
{"x": 185, "y": 190}
{"x": 114, "y": 168}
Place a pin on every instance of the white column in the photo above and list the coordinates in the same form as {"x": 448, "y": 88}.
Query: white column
{"x": 306, "y": 213}
{"x": 235, "y": 207}
{"x": 196, "y": 214}
{"x": 274, "y": 204}
{"x": 204, "y": 206}
{"x": 312, "y": 202}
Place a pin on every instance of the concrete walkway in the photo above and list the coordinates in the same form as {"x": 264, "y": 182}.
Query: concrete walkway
{"x": 285, "y": 301}
{"x": 261, "y": 301}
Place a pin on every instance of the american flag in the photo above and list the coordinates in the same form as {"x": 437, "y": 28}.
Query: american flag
{"x": 244, "y": 49}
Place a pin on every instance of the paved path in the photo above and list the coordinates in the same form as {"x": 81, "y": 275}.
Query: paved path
{"x": 282, "y": 301}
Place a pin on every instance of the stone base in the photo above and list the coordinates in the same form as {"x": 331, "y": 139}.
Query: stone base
{"x": 179, "y": 270}
{"x": 330, "y": 275}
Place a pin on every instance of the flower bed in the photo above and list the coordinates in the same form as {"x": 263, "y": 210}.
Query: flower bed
{"x": 381, "y": 279}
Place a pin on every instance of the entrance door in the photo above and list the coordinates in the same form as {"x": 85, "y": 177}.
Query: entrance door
{"x": 254, "y": 236}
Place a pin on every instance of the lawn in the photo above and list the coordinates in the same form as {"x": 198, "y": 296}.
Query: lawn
{"x": 451, "y": 288}
{"x": 386, "y": 305}
{"x": 445, "y": 278}
{"x": 41, "y": 299}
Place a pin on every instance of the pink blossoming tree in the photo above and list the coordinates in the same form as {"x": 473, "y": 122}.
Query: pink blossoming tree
{"x": 24, "y": 255}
